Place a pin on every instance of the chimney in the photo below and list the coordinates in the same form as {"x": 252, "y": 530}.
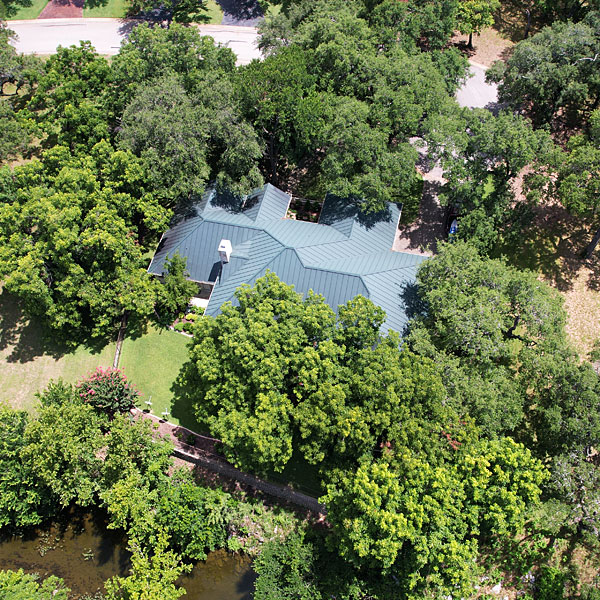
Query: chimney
{"x": 224, "y": 251}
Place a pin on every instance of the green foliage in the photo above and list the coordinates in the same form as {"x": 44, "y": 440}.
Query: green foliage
{"x": 482, "y": 155}
{"x": 475, "y": 15}
{"x": 484, "y": 323}
{"x": 413, "y": 23}
{"x": 61, "y": 448}
{"x": 153, "y": 576}
{"x": 69, "y": 236}
{"x": 550, "y": 585}
{"x": 67, "y": 98}
{"x": 278, "y": 371}
{"x": 419, "y": 520}
{"x": 150, "y": 53}
{"x": 108, "y": 391}
{"x": 286, "y": 570}
{"x": 194, "y": 516}
{"x": 13, "y": 135}
{"x": 23, "y": 501}
{"x": 17, "y": 585}
{"x": 178, "y": 11}
{"x": 176, "y": 291}
{"x": 553, "y": 72}
{"x": 161, "y": 126}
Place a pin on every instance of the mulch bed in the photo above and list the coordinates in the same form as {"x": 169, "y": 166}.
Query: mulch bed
{"x": 62, "y": 9}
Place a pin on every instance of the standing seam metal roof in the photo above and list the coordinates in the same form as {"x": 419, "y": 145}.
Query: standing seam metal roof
{"x": 336, "y": 258}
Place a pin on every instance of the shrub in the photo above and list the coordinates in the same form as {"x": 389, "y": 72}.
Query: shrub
{"x": 178, "y": 327}
{"x": 550, "y": 584}
{"x": 187, "y": 327}
{"x": 108, "y": 391}
{"x": 191, "y": 317}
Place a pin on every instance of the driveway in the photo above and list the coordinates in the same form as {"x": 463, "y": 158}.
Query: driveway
{"x": 476, "y": 93}
{"x": 42, "y": 36}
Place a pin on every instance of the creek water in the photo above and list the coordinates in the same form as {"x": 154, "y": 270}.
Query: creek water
{"x": 84, "y": 553}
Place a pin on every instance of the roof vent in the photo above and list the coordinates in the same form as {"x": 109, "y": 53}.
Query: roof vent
{"x": 224, "y": 250}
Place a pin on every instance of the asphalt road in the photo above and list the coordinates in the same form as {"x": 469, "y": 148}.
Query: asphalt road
{"x": 43, "y": 36}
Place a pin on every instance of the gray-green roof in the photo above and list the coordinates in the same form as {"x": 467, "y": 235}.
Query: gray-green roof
{"x": 339, "y": 257}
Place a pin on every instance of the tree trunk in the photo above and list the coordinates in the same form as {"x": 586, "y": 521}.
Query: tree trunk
{"x": 528, "y": 27}
{"x": 470, "y": 42}
{"x": 590, "y": 249}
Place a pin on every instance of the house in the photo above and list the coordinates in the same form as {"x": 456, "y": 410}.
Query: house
{"x": 229, "y": 241}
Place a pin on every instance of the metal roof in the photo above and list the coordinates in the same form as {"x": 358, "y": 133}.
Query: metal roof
{"x": 337, "y": 257}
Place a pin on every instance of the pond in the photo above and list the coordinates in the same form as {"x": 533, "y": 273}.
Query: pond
{"x": 84, "y": 553}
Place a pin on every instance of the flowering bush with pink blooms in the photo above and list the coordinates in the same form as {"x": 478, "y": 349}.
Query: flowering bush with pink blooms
{"x": 108, "y": 391}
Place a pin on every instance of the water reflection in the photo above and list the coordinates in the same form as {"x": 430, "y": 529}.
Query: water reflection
{"x": 83, "y": 552}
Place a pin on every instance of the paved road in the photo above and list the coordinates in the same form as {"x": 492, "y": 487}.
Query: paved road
{"x": 43, "y": 36}
{"x": 476, "y": 93}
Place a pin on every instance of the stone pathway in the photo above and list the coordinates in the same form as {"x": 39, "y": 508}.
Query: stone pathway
{"x": 203, "y": 453}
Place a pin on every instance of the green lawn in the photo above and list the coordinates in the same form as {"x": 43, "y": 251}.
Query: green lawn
{"x": 30, "y": 12}
{"x": 214, "y": 12}
{"x": 29, "y": 359}
{"x": 152, "y": 362}
{"x": 115, "y": 9}
{"x": 118, "y": 9}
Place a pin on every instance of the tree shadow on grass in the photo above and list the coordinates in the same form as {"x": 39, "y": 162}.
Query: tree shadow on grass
{"x": 184, "y": 397}
{"x": 26, "y": 338}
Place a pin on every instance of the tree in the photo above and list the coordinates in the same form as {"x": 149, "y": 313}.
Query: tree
{"x": 420, "y": 520}
{"x": 153, "y": 576}
{"x": 481, "y": 322}
{"x": 61, "y": 448}
{"x": 286, "y": 570}
{"x": 107, "y": 391}
{"x": 161, "y": 126}
{"x": 567, "y": 402}
{"x": 482, "y": 158}
{"x": 414, "y": 23}
{"x": 67, "y": 99}
{"x": 70, "y": 239}
{"x": 17, "y": 69}
{"x": 475, "y": 15}
{"x": 575, "y": 484}
{"x": 178, "y": 11}
{"x": 13, "y": 135}
{"x": 554, "y": 73}
{"x": 235, "y": 150}
{"x": 279, "y": 98}
{"x": 18, "y": 585}
{"x": 279, "y": 373}
{"x": 151, "y": 53}
{"x": 360, "y": 165}
{"x": 176, "y": 290}
{"x": 23, "y": 501}
{"x": 195, "y": 517}
{"x": 573, "y": 176}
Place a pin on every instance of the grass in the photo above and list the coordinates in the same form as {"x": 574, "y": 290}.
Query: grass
{"x": 29, "y": 12}
{"x": 29, "y": 359}
{"x": 214, "y": 12}
{"x": 115, "y": 9}
{"x": 152, "y": 362}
